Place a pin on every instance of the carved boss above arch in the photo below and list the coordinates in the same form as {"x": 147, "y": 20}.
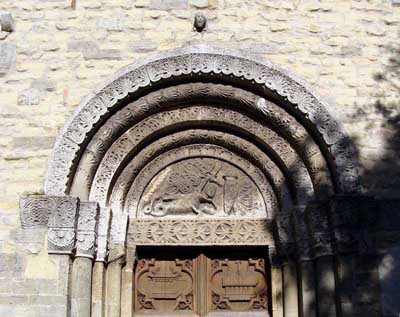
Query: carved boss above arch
{"x": 196, "y": 64}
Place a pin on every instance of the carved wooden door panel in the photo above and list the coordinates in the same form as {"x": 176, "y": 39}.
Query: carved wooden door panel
{"x": 164, "y": 286}
{"x": 201, "y": 287}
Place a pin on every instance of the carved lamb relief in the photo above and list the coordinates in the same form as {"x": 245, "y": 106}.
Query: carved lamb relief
{"x": 202, "y": 187}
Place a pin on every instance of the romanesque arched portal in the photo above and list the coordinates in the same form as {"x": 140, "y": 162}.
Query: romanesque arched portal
{"x": 199, "y": 147}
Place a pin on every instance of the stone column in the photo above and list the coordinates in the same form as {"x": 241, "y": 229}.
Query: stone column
{"x": 62, "y": 214}
{"x": 81, "y": 287}
{"x": 81, "y": 280}
{"x": 113, "y": 281}
{"x": 308, "y": 304}
{"x": 308, "y": 288}
{"x": 326, "y": 286}
{"x": 99, "y": 268}
{"x": 127, "y": 282}
{"x": 276, "y": 283}
{"x": 98, "y": 289}
{"x": 290, "y": 290}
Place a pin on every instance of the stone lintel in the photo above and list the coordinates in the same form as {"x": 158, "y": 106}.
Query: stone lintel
{"x": 200, "y": 232}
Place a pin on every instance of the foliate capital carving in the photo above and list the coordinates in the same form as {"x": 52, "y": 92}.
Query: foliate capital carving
{"x": 62, "y": 224}
{"x": 305, "y": 230}
{"x": 118, "y": 227}
{"x": 200, "y": 232}
{"x": 116, "y": 252}
{"x": 86, "y": 229}
{"x": 274, "y": 257}
{"x": 352, "y": 218}
{"x": 103, "y": 233}
{"x": 320, "y": 229}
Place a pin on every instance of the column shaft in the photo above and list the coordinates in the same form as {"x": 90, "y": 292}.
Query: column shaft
{"x": 98, "y": 290}
{"x": 308, "y": 289}
{"x": 277, "y": 292}
{"x": 113, "y": 289}
{"x": 127, "y": 283}
{"x": 326, "y": 286}
{"x": 290, "y": 290}
{"x": 81, "y": 287}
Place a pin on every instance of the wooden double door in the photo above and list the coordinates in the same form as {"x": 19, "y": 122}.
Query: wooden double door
{"x": 201, "y": 285}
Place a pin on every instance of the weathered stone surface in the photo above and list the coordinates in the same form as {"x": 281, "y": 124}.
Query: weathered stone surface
{"x": 82, "y": 46}
{"x": 144, "y": 46}
{"x": 29, "y": 97}
{"x": 6, "y": 21}
{"x": 7, "y": 57}
{"x": 168, "y": 4}
{"x": 11, "y": 265}
{"x": 106, "y": 54}
{"x": 44, "y": 85}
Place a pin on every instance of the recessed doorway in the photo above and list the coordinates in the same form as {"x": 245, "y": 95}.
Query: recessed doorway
{"x": 210, "y": 281}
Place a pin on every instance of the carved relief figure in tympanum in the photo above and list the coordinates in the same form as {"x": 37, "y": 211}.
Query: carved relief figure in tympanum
{"x": 202, "y": 186}
{"x": 164, "y": 286}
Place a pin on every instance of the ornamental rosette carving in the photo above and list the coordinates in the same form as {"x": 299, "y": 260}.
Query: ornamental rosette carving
{"x": 34, "y": 211}
{"x": 63, "y": 211}
{"x": 200, "y": 232}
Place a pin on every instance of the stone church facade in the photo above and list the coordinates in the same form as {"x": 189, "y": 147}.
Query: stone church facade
{"x": 240, "y": 158}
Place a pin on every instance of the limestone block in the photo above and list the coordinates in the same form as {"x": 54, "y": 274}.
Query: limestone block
{"x": 168, "y": 4}
{"x": 11, "y": 265}
{"x": 29, "y": 97}
{"x": 7, "y": 57}
{"x": 44, "y": 85}
{"x": 105, "y": 54}
{"x": 201, "y": 4}
{"x": 6, "y": 21}
{"x": 143, "y": 46}
{"x": 376, "y": 29}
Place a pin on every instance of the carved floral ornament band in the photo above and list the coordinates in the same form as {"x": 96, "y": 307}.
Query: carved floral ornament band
{"x": 200, "y": 232}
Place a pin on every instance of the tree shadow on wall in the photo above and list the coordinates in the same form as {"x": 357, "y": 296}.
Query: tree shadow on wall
{"x": 383, "y": 177}
{"x": 387, "y": 229}
{"x": 367, "y": 284}
{"x": 375, "y": 276}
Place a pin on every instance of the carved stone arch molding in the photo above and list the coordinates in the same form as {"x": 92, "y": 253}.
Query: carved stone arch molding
{"x": 198, "y": 146}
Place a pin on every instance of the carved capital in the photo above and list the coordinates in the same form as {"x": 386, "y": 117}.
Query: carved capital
{"x": 118, "y": 228}
{"x": 102, "y": 234}
{"x": 274, "y": 258}
{"x": 86, "y": 230}
{"x": 321, "y": 234}
{"x": 353, "y": 216}
{"x": 116, "y": 253}
{"x": 62, "y": 224}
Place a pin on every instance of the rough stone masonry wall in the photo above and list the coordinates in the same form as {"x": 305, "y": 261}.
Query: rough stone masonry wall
{"x": 60, "y": 50}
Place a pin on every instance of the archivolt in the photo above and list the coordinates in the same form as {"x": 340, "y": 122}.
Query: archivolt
{"x": 196, "y": 64}
{"x": 246, "y": 108}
